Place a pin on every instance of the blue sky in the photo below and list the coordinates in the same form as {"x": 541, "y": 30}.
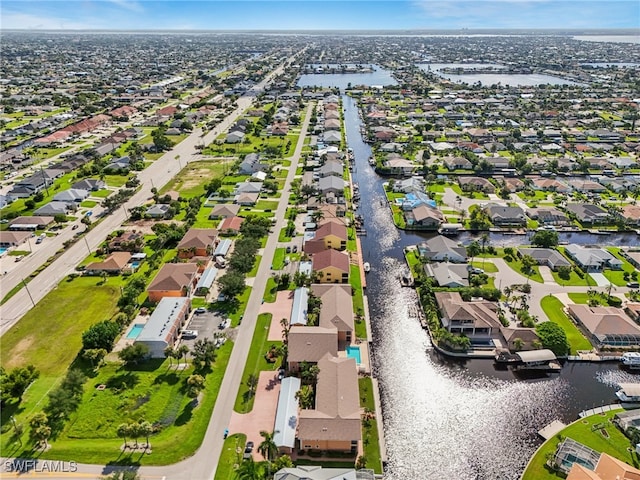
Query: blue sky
{"x": 315, "y": 14}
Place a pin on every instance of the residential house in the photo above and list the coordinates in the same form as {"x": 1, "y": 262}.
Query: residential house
{"x": 330, "y": 234}
{"x": 424, "y": 216}
{"x": 332, "y": 136}
{"x": 224, "y": 210}
{"x": 631, "y": 214}
{"x": 334, "y": 168}
{"x": 89, "y": 184}
{"x": 246, "y": 199}
{"x": 476, "y": 319}
{"x": 451, "y": 275}
{"x": 30, "y": 223}
{"x": 163, "y": 327}
{"x": 251, "y": 164}
{"x": 71, "y": 195}
{"x": 548, "y": 216}
{"x": 10, "y": 239}
{"x": 248, "y": 187}
{"x": 121, "y": 164}
{"x": 331, "y": 184}
{"x": 442, "y": 249}
{"x": 197, "y": 242}
{"x": 606, "y": 326}
{"x": 332, "y": 265}
{"x": 173, "y": 280}
{"x": 309, "y": 344}
{"x": 520, "y": 338}
{"x": 399, "y": 166}
{"x": 502, "y": 215}
{"x": 476, "y": 184}
{"x": 587, "y": 186}
{"x": 230, "y": 225}
{"x": 334, "y": 424}
{"x": 53, "y": 208}
{"x": 588, "y": 213}
{"x": 235, "y": 137}
{"x": 551, "y": 185}
{"x": 286, "y": 421}
{"x": 313, "y": 472}
{"x": 607, "y": 468}
{"x": 592, "y": 259}
{"x": 159, "y": 210}
{"x": 409, "y": 185}
{"x": 128, "y": 241}
{"x": 337, "y": 309}
{"x": 633, "y": 257}
{"x": 545, "y": 256}
{"x": 114, "y": 264}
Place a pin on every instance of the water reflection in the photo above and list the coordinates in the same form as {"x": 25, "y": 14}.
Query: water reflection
{"x": 448, "y": 418}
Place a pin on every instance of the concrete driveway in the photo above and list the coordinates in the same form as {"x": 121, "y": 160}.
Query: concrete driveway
{"x": 263, "y": 415}
{"x": 279, "y": 309}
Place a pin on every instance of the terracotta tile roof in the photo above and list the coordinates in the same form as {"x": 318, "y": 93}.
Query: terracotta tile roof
{"x": 198, "y": 238}
{"x": 331, "y": 258}
{"x": 173, "y": 277}
{"x": 114, "y": 262}
{"x": 231, "y": 223}
{"x": 310, "y": 344}
{"x": 337, "y": 306}
{"x": 331, "y": 228}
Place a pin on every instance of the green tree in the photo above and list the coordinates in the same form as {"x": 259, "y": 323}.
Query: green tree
{"x": 553, "y": 337}
{"x": 15, "y": 383}
{"x": 473, "y": 250}
{"x": 204, "y": 353}
{"x": 231, "y": 284}
{"x": 40, "y": 431}
{"x": 145, "y": 429}
{"x": 528, "y": 264}
{"x": 195, "y": 384}
{"x": 100, "y": 335}
{"x": 252, "y": 383}
{"x": 545, "y": 238}
{"x": 169, "y": 353}
{"x": 564, "y": 272}
{"x": 250, "y": 470}
{"x": 182, "y": 351}
{"x": 268, "y": 448}
{"x": 281, "y": 462}
{"x": 305, "y": 396}
{"x": 123, "y": 431}
{"x": 133, "y": 354}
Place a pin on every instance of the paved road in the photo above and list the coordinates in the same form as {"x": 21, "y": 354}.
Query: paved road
{"x": 204, "y": 463}
{"x": 157, "y": 174}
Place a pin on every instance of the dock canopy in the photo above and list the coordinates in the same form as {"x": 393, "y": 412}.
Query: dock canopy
{"x": 534, "y": 356}
{"x": 631, "y": 389}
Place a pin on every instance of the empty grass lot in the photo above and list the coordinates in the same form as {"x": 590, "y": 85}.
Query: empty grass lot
{"x": 358, "y": 303}
{"x": 553, "y": 308}
{"x": 57, "y": 321}
{"x": 231, "y": 455}
{"x": 617, "y": 276}
{"x": 157, "y": 396}
{"x": 256, "y": 362}
{"x": 370, "y": 428}
{"x": 191, "y": 180}
{"x": 583, "y": 431}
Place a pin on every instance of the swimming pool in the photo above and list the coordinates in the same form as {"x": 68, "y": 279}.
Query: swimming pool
{"x": 354, "y": 352}
{"x": 2, "y": 251}
{"x": 135, "y": 264}
{"x": 135, "y": 331}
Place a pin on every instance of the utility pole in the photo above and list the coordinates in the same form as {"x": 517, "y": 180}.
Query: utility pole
{"x": 87, "y": 244}
{"x": 28, "y": 292}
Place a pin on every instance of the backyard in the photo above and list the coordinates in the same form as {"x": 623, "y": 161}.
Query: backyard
{"x": 553, "y": 308}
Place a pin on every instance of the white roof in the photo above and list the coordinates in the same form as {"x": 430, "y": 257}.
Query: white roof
{"x": 287, "y": 413}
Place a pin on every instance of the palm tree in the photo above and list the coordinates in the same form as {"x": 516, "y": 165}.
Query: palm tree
{"x": 268, "y": 448}
{"x": 145, "y": 429}
{"x": 169, "y": 353}
{"x": 252, "y": 383}
{"x": 473, "y": 250}
{"x": 518, "y": 343}
{"x": 284, "y": 323}
{"x": 182, "y": 352}
{"x": 305, "y": 396}
{"x": 123, "y": 431}
{"x": 250, "y": 470}
{"x": 134, "y": 431}
{"x": 484, "y": 240}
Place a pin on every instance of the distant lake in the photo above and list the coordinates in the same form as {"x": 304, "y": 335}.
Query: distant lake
{"x": 509, "y": 79}
{"x": 341, "y": 80}
{"x": 609, "y": 38}
{"x": 610, "y": 64}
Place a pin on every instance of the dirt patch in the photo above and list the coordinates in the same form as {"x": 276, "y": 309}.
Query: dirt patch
{"x": 18, "y": 352}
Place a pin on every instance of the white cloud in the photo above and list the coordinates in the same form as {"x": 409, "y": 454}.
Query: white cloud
{"x": 128, "y": 5}
{"x": 27, "y": 21}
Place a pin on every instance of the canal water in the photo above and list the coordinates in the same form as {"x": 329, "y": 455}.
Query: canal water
{"x": 446, "y": 418}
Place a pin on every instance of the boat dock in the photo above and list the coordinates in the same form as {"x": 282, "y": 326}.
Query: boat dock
{"x": 601, "y": 409}
{"x": 552, "y": 429}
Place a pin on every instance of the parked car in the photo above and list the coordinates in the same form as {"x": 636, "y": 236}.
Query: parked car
{"x": 295, "y": 248}
{"x": 288, "y": 250}
{"x": 224, "y": 324}
{"x": 633, "y": 285}
{"x": 39, "y": 240}
{"x": 248, "y": 450}
{"x": 75, "y": 227}
{"x": 200, "y": 310}
{"x": 189, "y": 333}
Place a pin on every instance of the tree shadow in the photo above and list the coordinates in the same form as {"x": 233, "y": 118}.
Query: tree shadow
{"x": 123, "y": 381}
{"x": 10, "y": 409}
{"x": 170, "y": 378}
{"x": 186, "y": 414}
{"x": 150, "y": 365}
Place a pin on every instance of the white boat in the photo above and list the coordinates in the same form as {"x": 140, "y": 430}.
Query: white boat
{"x": 629, "y": 393}
{"x": 367, "y": 267}
{"x": 372, "y": 161}
{"x": 631, "y": 359}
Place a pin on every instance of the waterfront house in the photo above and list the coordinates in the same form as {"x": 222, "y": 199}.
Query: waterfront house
{"x": 332, "y": 234}
{"x": 477, "y": 319}
{"x": 457, "y": 163}
{"x": 337, "y": 310}
{"x": 592, "y": 259}
{"x": 309, "y": 344}
{"x": 424, "y": 216}
{"x": 331, "y": 184}
{"x": 163, "y": 327}
{"x": 606, "y": 326}
{"x": 442, "y": 249}
{"x": 173, "y": 280}
{"x": 409, "y": 185}
{"x": 588, "y": 213}
{"x": 551, "y": 185}
{"x": 502, "y": 215}
{"x": 545, "y": 256}
{"x": 334, "y": 424}
{"x": 607, "y": 468}
{"x": 332, "y": 167}
{"x": 451, "y": 275}
{"x": 520, "y": 338}
{"x": 313, "y": 472}
{"x": 631, "y": 214}
{"x": 197, "y": 242}
{"x": 332, "y": 265}
{"x": 548, "y": 216}
{"x": 399, "y": 166}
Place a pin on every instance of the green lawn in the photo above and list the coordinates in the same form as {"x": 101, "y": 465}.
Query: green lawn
{"x": 231, "y": 455}
{"x": 191, "y": 180}
{"x": 579, "y": 297}
{"x": 64, "y": 313}
{"x": 370, "y": 427}
{"x": 256, "y": 265}
{"x": 574, "y": 280}
{"x": 157, "y": 396}
{"x": 617, "y": 276}
{"x": 116, "y": 180}
{"x": 270, "y": 291}
{"x": 278, "y": 259}
{"x": 358, "y": 302}
{"x": 553, "y": 309}
{"x": 516, "y": 265}
{"x": 88, "y": 204}
{"x": 615, "y": 444}
{"x": 487, "y": 266}
{"x": 265, "y": 205}
{"x": 256, "y": 362}
{"x": 102, "y": 193}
